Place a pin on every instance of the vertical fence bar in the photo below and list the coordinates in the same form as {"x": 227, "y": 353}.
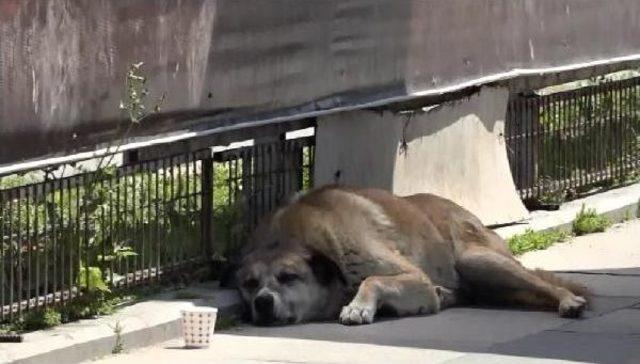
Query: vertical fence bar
{"x": 570, "y": 158}
{"x": 172, "y": 202}
{"x": 516, "y": 144}
{"x": 72, "y": 234}
{"x": 540, "y": 106}
{"x": 28, "y": 192}
{"x": 157, "y": 221}
{"x": 610, "y": 135}
{"x": 627, "y": 130}
{"x": 591, "y": 151}
{"x": 196, "y": 201}
{"x": 177, "y": 201}
{"x": 622, "y": 127}
{"x": 86, "y": 196}
{"x": 135, "y": 235}
{"x": 148, "y": 223}
{"x": 525, "y": 188}
{"x": 19, "y": 279}
{"x": 126, "y": 229}
{"x": 552, "y": 138}
{"x": 631, "y": 109}
{"x": 144, "y": 201}
{"x": 616, "y": 134}
{"x": 187, "y": 205}
{"x": 48, "y": 188}
{"x": 576, "y": 135}
{"x": 111, "y": 235}
{"x": 11, "y": 255}
{"x": 635, "y": 113}
{"x": 564, "y": 172}
{"x": 36, "y": 234}
{"x": 56, "y": 218}
{"x": 120, "y": 214}
{"x": 312, "y": 163}
{"x": 102, "y": 224}
{"x": 3, "y": 259}
{"x": 602, "y": 133}
{"x": 166, "y": 258}
{"x": 206, "y": 210}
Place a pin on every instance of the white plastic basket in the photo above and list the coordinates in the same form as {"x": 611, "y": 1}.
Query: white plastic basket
{"x": 198, "y": 324}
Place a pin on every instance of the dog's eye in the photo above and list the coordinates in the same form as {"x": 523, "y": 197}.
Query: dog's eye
{"x": 250, "y": 283}
{"x": 286, "y": 278}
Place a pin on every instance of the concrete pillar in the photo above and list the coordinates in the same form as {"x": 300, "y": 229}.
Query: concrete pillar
{"x": 456, "y": 150}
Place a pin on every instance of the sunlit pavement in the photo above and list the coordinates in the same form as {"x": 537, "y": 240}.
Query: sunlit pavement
{"x": 608, "y": 263}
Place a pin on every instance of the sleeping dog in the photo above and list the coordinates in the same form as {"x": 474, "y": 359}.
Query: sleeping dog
{"x": 351, "y": 254}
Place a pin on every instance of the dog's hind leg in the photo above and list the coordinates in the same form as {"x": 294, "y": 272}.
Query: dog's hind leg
{"x": 405, "y": 294}
{"x": 483, "y": 268}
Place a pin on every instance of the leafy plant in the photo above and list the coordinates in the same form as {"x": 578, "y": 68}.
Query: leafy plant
{"x": 589, "y": 221}
{"x": 96, "y": 194}
{"x": 19, "y": 180}
{"x": 90, "y": 279}
{"x": 42, "y": 319}
{"x": 535, "y": 240}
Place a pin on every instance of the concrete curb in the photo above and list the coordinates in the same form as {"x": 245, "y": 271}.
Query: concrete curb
{"x": 143, "y": 324}
{"x": 618, "y": 205}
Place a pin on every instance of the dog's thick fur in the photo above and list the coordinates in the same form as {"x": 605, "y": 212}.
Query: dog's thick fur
{"x": 348, "y": 253}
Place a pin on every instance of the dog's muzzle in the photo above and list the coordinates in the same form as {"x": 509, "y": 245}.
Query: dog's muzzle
{"x": 263, "y": 306}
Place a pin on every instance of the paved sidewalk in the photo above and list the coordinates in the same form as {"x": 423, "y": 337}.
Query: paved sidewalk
{"x": 609, "y": 263}
{"x": 146, "y": 323}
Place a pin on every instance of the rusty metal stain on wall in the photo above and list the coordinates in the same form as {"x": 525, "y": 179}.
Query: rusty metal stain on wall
{"x": 225, "y": 62}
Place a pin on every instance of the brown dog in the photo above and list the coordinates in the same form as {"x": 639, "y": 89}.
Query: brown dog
{"x": 347, "y": 253}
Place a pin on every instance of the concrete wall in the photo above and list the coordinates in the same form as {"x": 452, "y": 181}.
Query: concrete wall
{"x": 456, "y": 150}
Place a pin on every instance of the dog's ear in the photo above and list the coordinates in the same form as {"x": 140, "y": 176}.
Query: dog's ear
{"x": 325, "y": 269}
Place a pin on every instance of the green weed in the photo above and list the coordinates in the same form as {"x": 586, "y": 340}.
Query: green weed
{"x": 118, "y": 347}
{"x": 535, "y": 240}
{"x": 41, "y": 319}
{"x": 589, "y": 221}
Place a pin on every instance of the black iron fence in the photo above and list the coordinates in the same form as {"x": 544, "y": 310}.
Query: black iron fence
{"x": 568, "y": 143}
{"x": 252, "y": 181}
{"x": 139, "y": 223}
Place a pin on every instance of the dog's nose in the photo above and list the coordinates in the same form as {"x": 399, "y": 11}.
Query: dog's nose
{"x": 264, "y": 304}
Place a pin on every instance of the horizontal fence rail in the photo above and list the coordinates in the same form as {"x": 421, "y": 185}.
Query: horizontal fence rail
{"x": 138, "y": 224}
{"x": 568, "y": 143}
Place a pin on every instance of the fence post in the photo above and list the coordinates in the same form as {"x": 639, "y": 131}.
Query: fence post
{"x": 206, "y": 212}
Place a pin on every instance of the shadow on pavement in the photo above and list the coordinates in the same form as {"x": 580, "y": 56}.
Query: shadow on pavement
{"x": 609, "y": 333}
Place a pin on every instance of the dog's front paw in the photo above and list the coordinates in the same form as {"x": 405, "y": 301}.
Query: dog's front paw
{"x": 572, "y": 307}
{"x": 356, "y": 315}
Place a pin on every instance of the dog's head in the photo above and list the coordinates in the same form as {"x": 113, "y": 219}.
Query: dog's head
{"x": 285, "y": 283}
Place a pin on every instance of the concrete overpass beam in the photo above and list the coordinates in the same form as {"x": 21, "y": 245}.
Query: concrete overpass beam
{"x": 456, "y": 150}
